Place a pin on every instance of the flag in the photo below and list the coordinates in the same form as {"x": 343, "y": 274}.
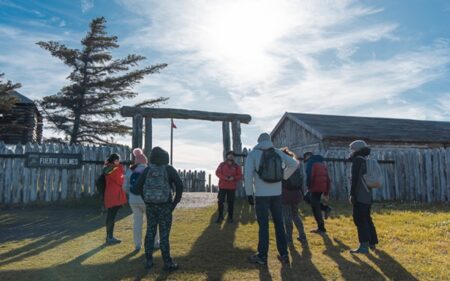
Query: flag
{"x": 173, "y": 124}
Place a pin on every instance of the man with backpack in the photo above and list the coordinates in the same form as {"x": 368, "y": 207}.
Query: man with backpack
{"x": 361, "y": 194}
{"x": 318, "y": 184}
{"x": 156, "y": 185}
{"x": 265, "y": 168}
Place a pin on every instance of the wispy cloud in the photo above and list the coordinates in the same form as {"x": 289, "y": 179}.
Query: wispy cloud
{"x": 86, "y": 5}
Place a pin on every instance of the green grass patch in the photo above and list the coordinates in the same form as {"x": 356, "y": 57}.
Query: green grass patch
{"x": 66, "y": 243}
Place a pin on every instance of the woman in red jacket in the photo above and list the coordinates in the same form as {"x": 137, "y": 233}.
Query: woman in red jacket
{"x": 115, "y": 196}
{"x": 229, "y": 174}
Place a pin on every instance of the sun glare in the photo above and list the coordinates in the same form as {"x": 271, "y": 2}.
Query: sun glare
{"x": 242, "y": 35}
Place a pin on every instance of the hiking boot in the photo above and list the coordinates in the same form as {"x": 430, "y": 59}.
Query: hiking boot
{"x": 171, "y": 266}
{"x": 319, "y": 231}
{"x": 219, "y": 220}
{"x": 112, "y": 241}
{"x": 284, "y": 259}
{"x": 148, "y": 264}
{"x": 362, "y": 249}
{"x": 230, "y": 220}
{"x": 373, "y": 247}
{"x": 257, "y": 259}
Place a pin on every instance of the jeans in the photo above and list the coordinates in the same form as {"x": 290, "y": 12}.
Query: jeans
{"x": 110, "y": 221}
{"x": 229, "y": 194}
{"x": 158, "y": 216}
{"x": 364, "y": 223}
{"x": 290, "y": 214}
{"x": 316, "y": 209}
{"x": 262, "y": 205}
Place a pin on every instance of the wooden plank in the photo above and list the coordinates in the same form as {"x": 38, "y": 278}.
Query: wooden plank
{"x": 8, "y": 178}
{"x": 137, "y": 131}
{"x": 226, "y": 138}
{"x": 428, "y": 175}
{"x": 17, "y": 176}
{"x": 148, "y": 136}
{"x": 49, "y": 174}
{"x": 56, "y": 195}
{"x": 129, "y": 111}
{"x": 442, "y": 178}
{"x": 65, "y": 177}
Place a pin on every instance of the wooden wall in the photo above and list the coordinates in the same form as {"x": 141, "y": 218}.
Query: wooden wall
{"x": 21, "y": 125}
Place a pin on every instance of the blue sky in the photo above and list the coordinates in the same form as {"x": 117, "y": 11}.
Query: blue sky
{"x": 260, "y": 57}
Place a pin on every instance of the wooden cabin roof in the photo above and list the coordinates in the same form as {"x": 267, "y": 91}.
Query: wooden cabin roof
{"x": 371, "y": 129}
{"x": 21, "y": 98}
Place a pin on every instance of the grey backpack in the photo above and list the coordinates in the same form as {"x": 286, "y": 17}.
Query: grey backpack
{"x": 156, "y": 186}
{"x": 373, "y": 178}
{"x": 270, "y": 166}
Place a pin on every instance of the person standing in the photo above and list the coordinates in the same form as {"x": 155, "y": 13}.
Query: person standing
{"x": 137, "y": 205}
{"x": 229, "y": 174}
{"x": 361, "y": 198}
{"x": 292, "y": 192}
{"x": 114, "y": 196}
{"x": 265, "y": 168}
{"x": 318, "y": 183}
{"x": 156, "y": 186}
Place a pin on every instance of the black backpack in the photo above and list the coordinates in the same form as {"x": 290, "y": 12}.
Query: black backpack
{"x": 270, "y": 166}
{"x": 295, "y": 181}
{"x": 100, "y": 184}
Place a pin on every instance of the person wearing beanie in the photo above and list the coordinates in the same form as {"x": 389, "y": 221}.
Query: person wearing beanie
{"x": 156, "y": 181}
{"x": 229, "y": 174}
{"x": 361, "y": 198}
{"x": 137, "y": 205}
{"x": 266, "y": 196}
{"x": 114, "y": 196}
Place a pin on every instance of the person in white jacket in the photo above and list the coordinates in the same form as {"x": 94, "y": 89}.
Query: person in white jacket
{"x": 136, "y": 203}
{"x": 266, "y": 196}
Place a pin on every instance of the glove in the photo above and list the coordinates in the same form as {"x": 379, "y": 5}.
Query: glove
{"x": 250, "y": 200}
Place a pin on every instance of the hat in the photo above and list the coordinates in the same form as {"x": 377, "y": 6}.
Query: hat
{"x": 139, "y": 157}
{"x": 263, "y": 137}
{"x": 357, "y": 145}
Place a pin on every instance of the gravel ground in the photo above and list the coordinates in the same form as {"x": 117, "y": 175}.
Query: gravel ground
{"x": 197, "y": 199}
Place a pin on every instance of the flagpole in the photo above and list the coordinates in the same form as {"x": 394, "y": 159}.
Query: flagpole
{"x": 171, "y": 141}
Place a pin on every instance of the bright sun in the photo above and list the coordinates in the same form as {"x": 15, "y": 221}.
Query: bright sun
{"x": 242, "y": 35}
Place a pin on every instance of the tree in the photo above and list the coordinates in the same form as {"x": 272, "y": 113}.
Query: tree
{"x": 86, "y": 109}
{"x": 7, "y": 101}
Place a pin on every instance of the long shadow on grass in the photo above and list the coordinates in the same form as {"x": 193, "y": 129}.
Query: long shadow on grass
{"x": 390, "y": 267}
{"x": 349, "y": 269}
{"x": 214, "y": 253}
{"x": 302, "y": 267}
{"x": 59, "y": 226}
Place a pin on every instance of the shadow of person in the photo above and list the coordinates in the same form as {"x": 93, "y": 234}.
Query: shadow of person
{"x": 216, "y": 243}
{"x": 58, "y": 227}
{"x": 349, "y": 269}
{"x": 390, "y": 267}
{"x": 302, "y": 267}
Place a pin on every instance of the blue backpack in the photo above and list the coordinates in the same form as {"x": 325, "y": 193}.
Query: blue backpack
{"x": 133, "y": 181}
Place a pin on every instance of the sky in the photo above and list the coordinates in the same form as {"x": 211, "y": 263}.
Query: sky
{"x": 259, "y": 57}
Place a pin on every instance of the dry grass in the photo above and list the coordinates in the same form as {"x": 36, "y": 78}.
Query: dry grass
{"x": 67, "y": 244}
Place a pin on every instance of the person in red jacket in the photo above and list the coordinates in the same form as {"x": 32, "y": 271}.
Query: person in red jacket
{"x": 318, "y": 183}
{"x": 229, "y": 174}
{"x": 115, "y": 196}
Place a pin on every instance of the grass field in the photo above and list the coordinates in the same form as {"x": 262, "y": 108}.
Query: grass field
{"x": 55, "y": 243}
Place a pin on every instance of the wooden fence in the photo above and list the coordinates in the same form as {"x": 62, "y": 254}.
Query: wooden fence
{"x": 195, "y": 181}
{"x": 410, "y": 175}
{"x": 19, "y": 184}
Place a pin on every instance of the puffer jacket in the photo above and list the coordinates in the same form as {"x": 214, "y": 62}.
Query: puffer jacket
{"x": 226, "y": 170}
{"x": 317, "y": 179}
{"x": 114, "y": 193}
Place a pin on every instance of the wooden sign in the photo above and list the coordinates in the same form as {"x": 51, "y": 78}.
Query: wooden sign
{"x": 53, "y": 160}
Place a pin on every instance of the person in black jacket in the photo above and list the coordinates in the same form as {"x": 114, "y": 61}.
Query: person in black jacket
{"x": 361, "y": 198}
{"x": 159, "y": 215}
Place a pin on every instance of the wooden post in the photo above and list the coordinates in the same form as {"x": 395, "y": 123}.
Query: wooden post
{"x": 237, "y": 148}
{"x": 137, "y": 131}
{"x": 148, "y": 136}
{"x": 226, "y": 137}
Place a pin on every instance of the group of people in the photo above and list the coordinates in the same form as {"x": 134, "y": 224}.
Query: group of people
{"x": 273, "y": 183}
{"x": 154, "y": 189}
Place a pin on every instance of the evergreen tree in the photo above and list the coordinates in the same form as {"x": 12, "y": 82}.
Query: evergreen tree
{"x": 86, "y": 109}
{"x": 6, "y": 100}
